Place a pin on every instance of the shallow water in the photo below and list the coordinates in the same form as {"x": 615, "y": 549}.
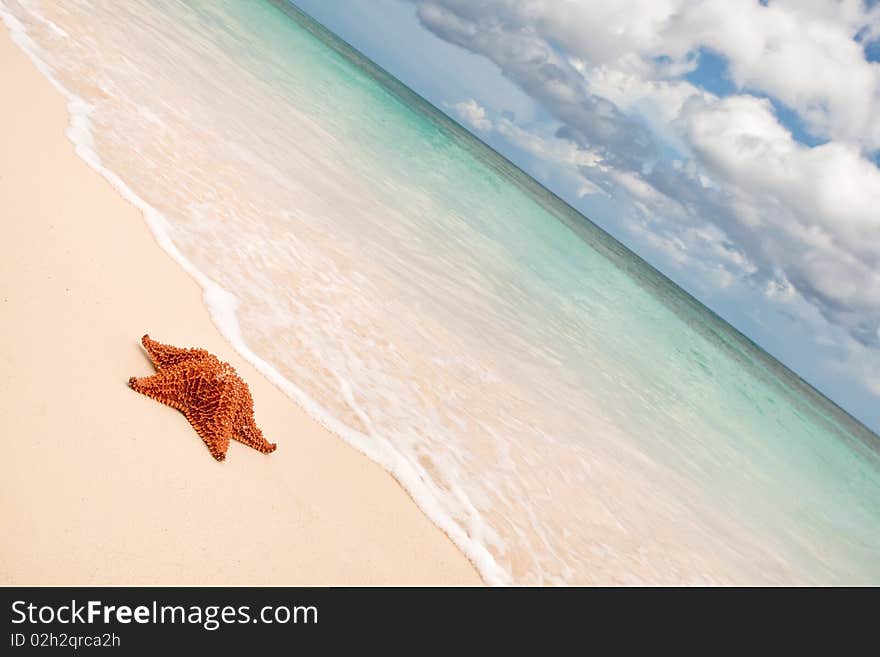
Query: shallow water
{"x": 562, "y": 411}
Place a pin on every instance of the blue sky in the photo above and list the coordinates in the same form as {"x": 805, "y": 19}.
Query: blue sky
{"x": 735, "y": 146}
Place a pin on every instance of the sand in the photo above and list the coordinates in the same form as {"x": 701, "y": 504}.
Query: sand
{"x": 100, "y": 485}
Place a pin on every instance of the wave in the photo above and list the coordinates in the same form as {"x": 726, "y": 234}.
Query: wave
{"x": 222, "y": 305}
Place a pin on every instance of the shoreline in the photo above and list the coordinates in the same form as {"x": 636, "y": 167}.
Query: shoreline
{"x": 104, "y": 486}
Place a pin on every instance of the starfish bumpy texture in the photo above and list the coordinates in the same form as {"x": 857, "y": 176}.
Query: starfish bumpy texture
{"x": 209, "y": 392}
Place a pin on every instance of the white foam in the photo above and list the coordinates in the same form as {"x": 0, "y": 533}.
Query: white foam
{"x": 222, "y": 306}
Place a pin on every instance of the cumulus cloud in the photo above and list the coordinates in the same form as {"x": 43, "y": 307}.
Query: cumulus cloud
{"x": 473, "y": 114}
{"x": 809, "y": 212}
{"x": 533, "y": 64}
{"x": 803, "y": 52}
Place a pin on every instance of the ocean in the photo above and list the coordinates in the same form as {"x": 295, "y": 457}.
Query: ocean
{"x": 561, "y": 410}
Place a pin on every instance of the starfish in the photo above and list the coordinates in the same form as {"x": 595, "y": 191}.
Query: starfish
{"x": 209, "y": 392}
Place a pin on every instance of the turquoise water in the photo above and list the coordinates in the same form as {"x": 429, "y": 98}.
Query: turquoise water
{"x": 564, "y": 412}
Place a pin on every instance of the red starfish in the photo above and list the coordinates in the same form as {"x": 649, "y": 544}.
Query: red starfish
{"x": 207, "y": 391}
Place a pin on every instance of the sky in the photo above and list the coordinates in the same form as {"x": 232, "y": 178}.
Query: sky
{"x": 733, "y": 144}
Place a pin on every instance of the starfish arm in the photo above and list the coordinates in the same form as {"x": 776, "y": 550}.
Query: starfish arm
{"x": 212, "y": 419}
{"x": 245, "y": 428}
{"x": 214, "y": 432}
{"x": 164, "y": 355}
{"x": 163, "y": 386}
{"x": 247, "y": 432}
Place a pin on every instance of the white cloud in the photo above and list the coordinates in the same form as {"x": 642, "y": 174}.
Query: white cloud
{"x": 810, "y": 212}
{"x": 559, "y": 151}
{"x": 473, "y": 114}
{"x": 586, "y": 187}
{"x": 801, "y": 52}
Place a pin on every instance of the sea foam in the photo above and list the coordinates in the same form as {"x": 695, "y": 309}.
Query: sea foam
{"x": 222, "y": 306}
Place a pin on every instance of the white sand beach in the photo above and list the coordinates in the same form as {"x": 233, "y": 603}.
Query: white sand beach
{"x": 100, "y": 485}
